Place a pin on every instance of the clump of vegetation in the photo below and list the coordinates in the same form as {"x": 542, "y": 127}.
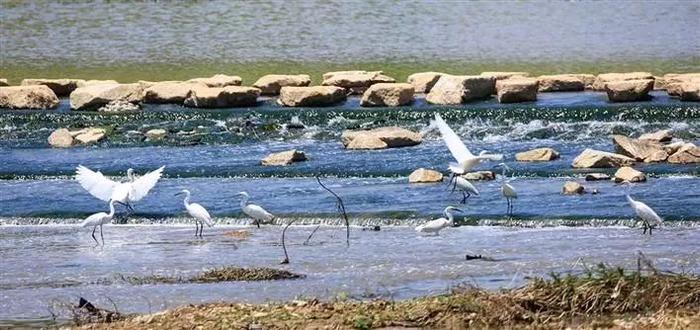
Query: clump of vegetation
{"x": 243, "y": 274}
{"x": 602, "y": 297}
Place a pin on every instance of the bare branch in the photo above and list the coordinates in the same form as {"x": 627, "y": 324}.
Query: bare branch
{"x": 341, "y": 210}
{"x": 284, "y": 246}
{"x": 306, "y": 242}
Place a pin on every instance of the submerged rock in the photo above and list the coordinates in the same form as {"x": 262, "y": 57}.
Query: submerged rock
{"x": 502, "y": 75}
{"x": 314, "y": 96}
{"x": 423, "y": 82}
{"x": 629, "y": 90}
{"x": 387, "y": 94}
{"x": 218, "y": 80}
{"x": 603, "y": 79}
{"x": 560, "y": 83}
{"x": 392, "y": 137}
{"x": 628, "y": 174}
{"x": 642, "y": 150}
{"x": 62, "y": 87}
{"x": 572, "y": 188}
{"x": 597, "y": 177}
{"x": 272, "y": 83}
{"x": 459, "y": 89}
{"x": 356, "y": 82}
{"x": 225, "y": 97}
{"x": 664, "y": 135}
{"x": 119, "y": 106}
{"x": 89, "y": 135}
{"x": 61, "y": 138}
{"x": 283, "y": 158}
{"x": 480, "y": 176}
{"x": 688, "y": 153}
{"x": 27, "y": 97}
{"x": 170, "y": 92}
{"x": 591, "y": 158}
{"x": 515, "y": 90}
{"x": 537, "y": 155}
{"x": 422, "y": 175}
{"x": 156, "y": 134}
{"x": 95, "y": 96}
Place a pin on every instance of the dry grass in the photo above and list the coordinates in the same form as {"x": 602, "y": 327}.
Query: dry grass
{"x": 601, "y": 298}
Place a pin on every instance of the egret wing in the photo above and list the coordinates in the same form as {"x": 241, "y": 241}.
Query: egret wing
{"x": 434, "y": 224}
{"x": 454, "y": 143}
{"x": 258, "y": 212}
{"x": 647, "y": 213}
{"x": 200, "y": 213}
{"x": 141, "y": 186}
{"x": 95, "y": 183}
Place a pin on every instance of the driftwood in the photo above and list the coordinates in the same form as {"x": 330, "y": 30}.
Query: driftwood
{"x": 341, "y": 209}
{"x": 284, "y": 246}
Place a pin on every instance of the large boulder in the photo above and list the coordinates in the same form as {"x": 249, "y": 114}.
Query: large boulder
{"x": 603, "y": 79}
{"x": 422, "y": 175}
{"x": 329, "y": 75}
{"x": 560, "y": 83}
{"x": 85, "y": 83}
{"x": 366, "y": 142}
{"x": 119, "y": 106}
{"x": 95, "y": 96}
{"x": 89, "y": 135}
{"x": 356, "y": 83}
{"x": 170, "y": 92}
{"x": 283, "y": 158}
{"x": 62, "y": 87}
{"x": 218, "y": 80}
{"x": 629, "y": 90}
{"x": 664, "y": 135}
{"x": 387, "y": 94}
{"x": 537, "y": 155}
{"x": 3, "y": 82}
{"x": 515, "y": 90}
{"x": 312, "y": 96}
{"x": 61, "y": 138}
{"x": 222, "y": 97}
{"x": 690, "y": 90}
{"x": 272, "y": 83}
{"x": 591, "y": 158}
{"x": 480, "y": 176}
{"x": 572, "y": 188}
{"x": 424, "y": 81}
{"x": 628, "y": 174}
{"x": 674, "y": 81}
{"x": 501, "y": 75}
{"x": 587, "y": 78}
{"x": 393, "y": 137}
{"x": 27, "y": 97}
{"x": 641, "y": 150}
{"x": 459, "y": 89}
{"x": 688, "y": 153}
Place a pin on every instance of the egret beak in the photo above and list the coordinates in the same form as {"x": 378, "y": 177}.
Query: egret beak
{"x": 458, "y": 210}
{"x": 178, "y": 194}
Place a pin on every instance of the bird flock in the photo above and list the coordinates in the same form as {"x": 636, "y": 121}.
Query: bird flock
{"x": 136, "y": 188}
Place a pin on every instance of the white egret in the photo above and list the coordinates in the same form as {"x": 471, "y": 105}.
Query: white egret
{"x": 465, "y": 186}
{"x": 256, "y": 212}
{"x": 507, "y": 190}
{"x": 99, "y": 219}
{"x": 198, "y": 212}
{"x": 465, "y": 159}
{"x": 124, "y": 192}
{"x": 435, "y": 226}
{"x": 649, "y": 217}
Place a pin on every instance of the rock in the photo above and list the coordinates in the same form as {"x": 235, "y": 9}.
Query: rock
{"x": 459, "y": 89}
{"x": 225, "y": 97}
{"x": 3, "y": 83}
{"x": 602, "y": 79}
{"x": 497, "y": 75}
{"x": 516, "y": 90}
{"x": 560, "y": 83}
{"x": 674, "y": 81}
{"x": 27, "y": 97}
{"x": 272, "y": 83}
{"x": 663, "y": 135}
{"x": 61, "y": 138}
{"x": 588, "y": 79}
{"x": 537, "y": 155}
{"x": 329, "y": 75}
{"x": 600, "y": 159}
{"x": 659, "y": 83}
{"x": 479, "y": 176}
{"x": 671, "y": 148}
{"x": 366, "y": 142}
{"x": 424, "y": 81}
{"x": 689, "y": 153}
{"x": 119, "y": 106}
{"x": 572, "y": 188}
{"x": 628, "y": 174}
{"x": 156, "y": 134}
{"x": 387, "y": 94}
{"x": 641, "y": 150}
{"x": 218, "y": 80}
{"x": 690, "y": 91}
{"x": 315, "y": 96}
{"x": 95, "y": 96}
{"x": 629, "y": 90}
{"x": 422, "y": 175}
{"x": 597, "y": 177}
{"x": 62, "y": 87}
{"x": 85, "y": 83}
{"x": 357, "y": 83}
{"x": 393, "y": 137}
{"x": 90, "y": 135}
{"x": 170, "y": 92}
{"x": 283, "y": 158}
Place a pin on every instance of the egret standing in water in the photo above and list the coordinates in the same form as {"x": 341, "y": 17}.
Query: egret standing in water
{"x": 507, "y": 190}
{"x": 435, "y": 226}
{"x": 198, "y": 212}
{"x": 650, "y": 219}
{"x": 256, "y": 212}
{"x": 99, "y": 219}
{"x": 465, "y": 186}
{"x": 123, "y": 192}
{"x": 465, "y": 159}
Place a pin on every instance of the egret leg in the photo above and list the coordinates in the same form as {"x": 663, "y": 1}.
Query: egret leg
{"x": 650, "y": 228}
{"x": 93, "y": 235}
{"x": 645, "y": 226}
{"x": 201, "y": 230}
{"x": 257, "y": 223}
{"x": 465, "y": 195}
{"x": 102, "y": 236}
{"x": 196, "y": 229}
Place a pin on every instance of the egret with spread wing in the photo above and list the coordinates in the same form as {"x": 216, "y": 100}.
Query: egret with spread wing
{"x": 435, "y": 226}
{"x": 465, "y": 159}
{"x": 254, "y": 211}
{"x": 105, "y": 189}
{"x": 649, "y": 217}
{"x": 198, "y": 212}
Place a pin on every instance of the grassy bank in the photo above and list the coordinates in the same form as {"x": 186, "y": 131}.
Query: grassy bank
{"x": 400, "y": 69}
{"x": 600, "y": 298}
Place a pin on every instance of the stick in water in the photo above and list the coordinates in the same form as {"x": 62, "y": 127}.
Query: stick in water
{"x": 341, "y": 210}
{"x": 284, "y": 247}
